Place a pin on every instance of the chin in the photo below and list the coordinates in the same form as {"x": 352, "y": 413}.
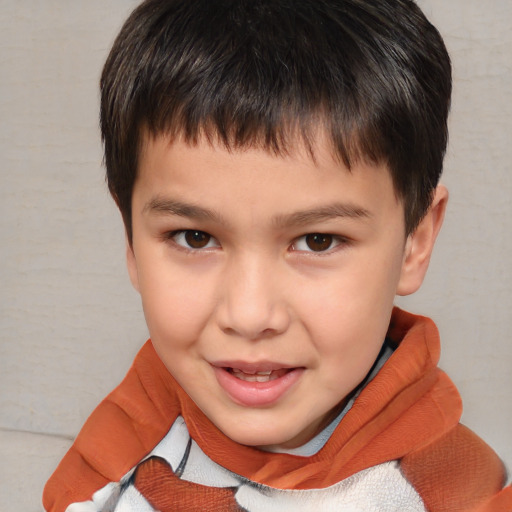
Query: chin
{"x": 258, "y": 439}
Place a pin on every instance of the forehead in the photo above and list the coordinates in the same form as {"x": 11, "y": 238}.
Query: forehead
{"x": 299, "y": 168}
{"x": 254, "y": 187}
{"x": 314, "y": 149}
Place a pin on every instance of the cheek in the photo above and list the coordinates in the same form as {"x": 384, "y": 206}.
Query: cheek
{"x": 349, "y": 309}
{"x": 176, "y": 307}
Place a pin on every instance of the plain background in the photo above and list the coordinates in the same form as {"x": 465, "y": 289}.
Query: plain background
{"x": 70, "y": 324}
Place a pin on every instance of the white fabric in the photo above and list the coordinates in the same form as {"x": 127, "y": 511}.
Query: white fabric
{"x": 381, "y": 488}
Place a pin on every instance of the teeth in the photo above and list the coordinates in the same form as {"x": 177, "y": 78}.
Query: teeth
{"x": 252, "y": 376}
{"x": 248, "y": 372}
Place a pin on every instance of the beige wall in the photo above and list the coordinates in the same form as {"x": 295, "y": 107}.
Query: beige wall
{"x": 70, "y": 323}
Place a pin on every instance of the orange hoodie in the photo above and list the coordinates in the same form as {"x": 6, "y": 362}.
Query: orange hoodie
{"x": 408, "y": 415}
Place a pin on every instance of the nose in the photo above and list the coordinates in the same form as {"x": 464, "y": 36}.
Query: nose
{"x": 253, "y": 304}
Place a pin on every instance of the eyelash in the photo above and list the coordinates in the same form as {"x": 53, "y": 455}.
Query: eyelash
{"x": 173, "y": 236}
{"x": 334, "y": 243}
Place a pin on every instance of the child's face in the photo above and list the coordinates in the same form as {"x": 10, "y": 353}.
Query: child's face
{"x": 267, "y": 282}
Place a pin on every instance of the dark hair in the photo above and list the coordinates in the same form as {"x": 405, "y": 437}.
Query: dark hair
{"x": 373, "y": 74}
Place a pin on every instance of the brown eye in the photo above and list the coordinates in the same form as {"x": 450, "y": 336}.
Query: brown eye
{"x": 319, "y": 242}
{"x": 197, "y": 239}
{"x": 192, "y": 240}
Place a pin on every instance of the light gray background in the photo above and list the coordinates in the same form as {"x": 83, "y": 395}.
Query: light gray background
{"x": 70, "y": 323}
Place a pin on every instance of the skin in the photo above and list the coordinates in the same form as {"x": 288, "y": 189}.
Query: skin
{"x": 253, "y": 289}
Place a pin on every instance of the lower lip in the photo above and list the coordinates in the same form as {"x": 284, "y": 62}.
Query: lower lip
{"x": 256, "y": 394}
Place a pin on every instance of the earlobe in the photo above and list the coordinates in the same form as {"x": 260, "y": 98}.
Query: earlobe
{"x": 420, "y": 244}
{"x": 131, "y": 264}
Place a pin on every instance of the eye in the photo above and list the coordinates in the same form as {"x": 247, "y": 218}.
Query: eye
{"x": 317, "y": 242}
{"x": 193, "y": 239}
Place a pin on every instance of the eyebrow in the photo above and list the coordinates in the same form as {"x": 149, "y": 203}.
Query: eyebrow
{"x": 167, "y": 206}
{"x": 322, "y": 214}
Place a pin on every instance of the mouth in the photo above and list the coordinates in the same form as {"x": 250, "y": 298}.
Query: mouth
{"x": 258, "y": 384}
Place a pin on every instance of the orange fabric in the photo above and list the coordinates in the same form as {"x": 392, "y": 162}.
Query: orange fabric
{"x": 502, "y": 502}
{"x": 154, "y": 478}
{"x": 119, "y": 433}
{"x": 455, "y": 474}
{"x": 405, "y": 412}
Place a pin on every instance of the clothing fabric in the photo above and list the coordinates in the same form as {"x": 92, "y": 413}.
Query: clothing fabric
{"x": 399, "y": 447}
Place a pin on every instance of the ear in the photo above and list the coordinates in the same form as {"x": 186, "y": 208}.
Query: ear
{"x": 420, "y": 243}
{"x": 131, "y": 264}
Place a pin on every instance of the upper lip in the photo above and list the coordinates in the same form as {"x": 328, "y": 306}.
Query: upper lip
{"x": 253, "y": 367}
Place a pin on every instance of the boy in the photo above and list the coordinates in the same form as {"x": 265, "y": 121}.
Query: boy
{"x": 276, "y": 164}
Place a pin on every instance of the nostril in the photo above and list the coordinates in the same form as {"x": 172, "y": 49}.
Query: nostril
{"x": 251, "y": 336}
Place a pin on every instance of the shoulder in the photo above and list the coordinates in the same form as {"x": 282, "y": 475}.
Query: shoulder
{"x": 457, "y": 472}
{"x": 124, "y": 427}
